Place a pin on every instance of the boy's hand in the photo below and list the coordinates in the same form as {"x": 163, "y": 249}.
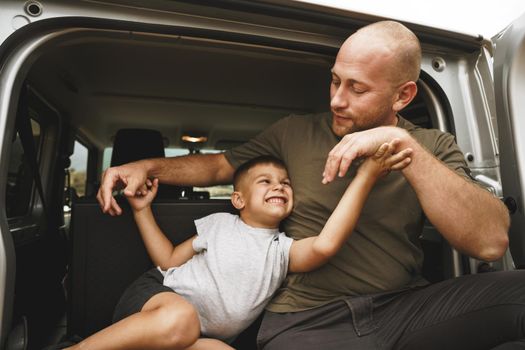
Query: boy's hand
{"x": 385, "y": 160}
{"x": 138, "y": 202}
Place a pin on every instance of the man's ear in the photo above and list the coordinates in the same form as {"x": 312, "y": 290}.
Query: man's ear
{"x": 237, "y": 200}
{"x": 405, "y": 95}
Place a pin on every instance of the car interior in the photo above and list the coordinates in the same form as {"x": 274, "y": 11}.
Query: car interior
{"x": 98, "y": 98}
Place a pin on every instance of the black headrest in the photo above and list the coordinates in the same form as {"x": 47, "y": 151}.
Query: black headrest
{"x": 135, "y": 144}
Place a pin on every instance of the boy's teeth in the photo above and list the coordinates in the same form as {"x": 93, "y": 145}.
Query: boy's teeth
{"x": 276, "y": 200}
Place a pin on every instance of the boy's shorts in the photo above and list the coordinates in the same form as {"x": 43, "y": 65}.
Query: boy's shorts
{"x": 138, "y": 293}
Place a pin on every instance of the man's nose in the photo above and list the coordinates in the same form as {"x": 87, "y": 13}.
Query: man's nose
{"x": 339, "y": 99}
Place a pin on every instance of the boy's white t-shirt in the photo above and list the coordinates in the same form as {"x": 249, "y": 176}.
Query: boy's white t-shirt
{"x": 233, "y": 276}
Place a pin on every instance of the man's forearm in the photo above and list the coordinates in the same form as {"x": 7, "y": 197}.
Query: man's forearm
{"x": 191, "y": 170}
{"x": 470, "y": 218}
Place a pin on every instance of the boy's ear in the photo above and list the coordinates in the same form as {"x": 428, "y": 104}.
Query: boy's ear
{"x": 237, "y": 200}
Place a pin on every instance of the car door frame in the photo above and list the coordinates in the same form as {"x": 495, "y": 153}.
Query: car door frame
{"x": 509, "y": 90}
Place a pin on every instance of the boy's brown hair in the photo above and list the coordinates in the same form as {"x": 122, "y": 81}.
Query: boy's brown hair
{"x": 246, "y": 166}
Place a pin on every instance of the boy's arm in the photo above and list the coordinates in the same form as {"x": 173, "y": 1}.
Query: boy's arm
{"x": 159, "y": 247}
{"x": 309, "y": 253}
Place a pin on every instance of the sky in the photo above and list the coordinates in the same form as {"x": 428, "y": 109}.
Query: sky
{"x": 485, "y": 17}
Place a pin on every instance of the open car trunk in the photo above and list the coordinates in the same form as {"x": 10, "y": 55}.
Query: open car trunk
{"x": 227, "y": 91}
{"x": 94, "y": 83}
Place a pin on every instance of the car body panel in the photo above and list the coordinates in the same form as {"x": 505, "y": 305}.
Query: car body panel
{"x": 509, "y": 70}
{"x": 456, "y": 78}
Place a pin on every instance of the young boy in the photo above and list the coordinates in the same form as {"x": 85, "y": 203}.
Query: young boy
{"x": 216, "y": 283}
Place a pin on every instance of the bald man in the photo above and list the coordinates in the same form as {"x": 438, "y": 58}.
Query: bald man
{"x": 371, "y": 295}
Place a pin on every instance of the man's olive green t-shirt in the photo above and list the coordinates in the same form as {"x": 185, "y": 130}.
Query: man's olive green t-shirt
{"x": 383, "y": 253}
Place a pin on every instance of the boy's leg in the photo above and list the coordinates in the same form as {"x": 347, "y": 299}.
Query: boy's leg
{"x": 148, "y": 316}
{"x": 167, "y": 321}
{"x": 209, "y": 344}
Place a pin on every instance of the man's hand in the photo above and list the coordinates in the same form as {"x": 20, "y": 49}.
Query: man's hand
{"x": 356, "y": 145}
{"x": 132, "y": 177}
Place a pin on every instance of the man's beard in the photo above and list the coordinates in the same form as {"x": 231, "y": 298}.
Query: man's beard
{"x": 380, "y": 117}
{"x": 342, "y": 130}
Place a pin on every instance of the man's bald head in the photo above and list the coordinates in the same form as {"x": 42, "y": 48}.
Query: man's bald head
{"x": 390, "y": 39}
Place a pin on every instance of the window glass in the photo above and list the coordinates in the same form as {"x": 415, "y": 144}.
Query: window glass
{"x": 19, "y": 178}
{"x": 216, "y": 192}
{"x": 106, "y": 158}
{"x": 78, "y": 168}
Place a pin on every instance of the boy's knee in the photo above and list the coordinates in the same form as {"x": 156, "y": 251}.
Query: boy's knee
{"x": 179, "y": 325}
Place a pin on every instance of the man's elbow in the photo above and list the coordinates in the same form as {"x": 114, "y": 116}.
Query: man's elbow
{"x": 498, "y": 237}
{"x": 223, "y": 170}
{"x": 496, "y": 249}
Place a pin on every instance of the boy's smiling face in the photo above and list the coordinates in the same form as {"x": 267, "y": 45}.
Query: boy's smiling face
{"x": 265, "y": 196}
